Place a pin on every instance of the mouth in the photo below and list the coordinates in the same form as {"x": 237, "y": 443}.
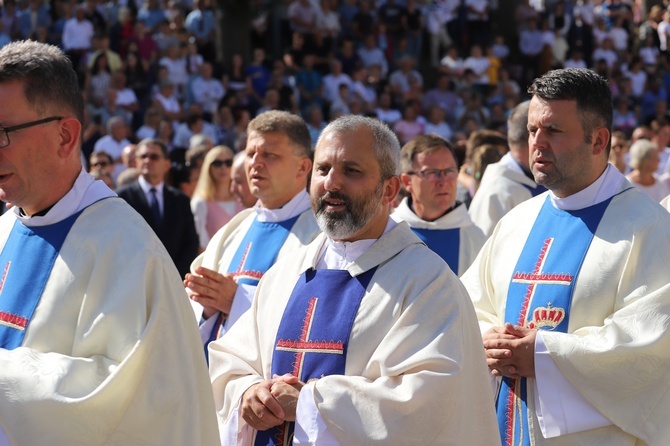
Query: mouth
{"x": 333, "y": 203}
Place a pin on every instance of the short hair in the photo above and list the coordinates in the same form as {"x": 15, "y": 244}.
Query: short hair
{"x": 587, "y": 88}
{"x": 101, "y": 154}
{"x": 386, "y": 145}
{"x": 113, "y": 122}
{"x": 422, "y": 144}
{"x": 481, "y": 137}
{"x": 639, "y": 151}
{"x": 293, "y": 126}
{"x": 154, "y": 142}
{"x": 41, "y": 67}
{"x": 517, "y": 124}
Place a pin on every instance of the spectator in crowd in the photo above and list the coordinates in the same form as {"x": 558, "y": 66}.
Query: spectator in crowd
{"x": 371, "y": 54}
{"x": 309, "y": 83}
{"x": 201, "y": 23}
{"x": 239, "y": 185}
{"x": 115, "y": 139}
{"x": 151, "y": 14}
{"x": 385, "y": 111}
{"x": 644, "y": 161}
{"x": 213, "y": 203}
{"x": 429, "y": 174}
{"x": 164, "y": 208}
{"x": 207, "y": 91}
{"x": 78, "y": 33}
{"x": 409, "y": 126}
{"x": 101, "y": 161}
{"x": 436, "y": 123}
{"x": 618, "y": 151}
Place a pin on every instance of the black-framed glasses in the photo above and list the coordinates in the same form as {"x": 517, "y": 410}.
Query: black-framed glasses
{"x": 4, "y": 131}
{"x": 220, "y": 163}
{"x": 435, "y": 174}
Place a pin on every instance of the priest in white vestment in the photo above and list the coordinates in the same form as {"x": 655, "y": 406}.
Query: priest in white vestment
{"x": 509, "y": 182}
{"x": 97, "y": 340}
{"x": 572, "y": 289}
{"x": 429, "y": 172}
{"x": 365, "y": 337}
{"x": 224, "y": 277}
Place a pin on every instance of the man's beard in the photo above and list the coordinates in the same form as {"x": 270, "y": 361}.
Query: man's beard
{"x": 342, "y": 225}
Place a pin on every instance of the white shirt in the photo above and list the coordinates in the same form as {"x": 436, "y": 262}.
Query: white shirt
{"x": 110, "y": 145}
{"x": 77, "y": 35}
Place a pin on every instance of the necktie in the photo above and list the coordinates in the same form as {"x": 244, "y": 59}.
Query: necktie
{"x": 155, "y": 210}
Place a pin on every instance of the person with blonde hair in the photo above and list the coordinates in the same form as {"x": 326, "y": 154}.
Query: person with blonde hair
{"x": 213, "y": 204}
{"x": 644, "y": 160}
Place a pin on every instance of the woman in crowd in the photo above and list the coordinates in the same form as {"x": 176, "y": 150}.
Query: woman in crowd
{"x": 644, "y": 161}
{"x": 213, "y": 203}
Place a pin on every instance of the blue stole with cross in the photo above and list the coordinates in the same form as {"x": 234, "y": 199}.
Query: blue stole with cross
{"x": 258, "y": 250}
{"x": 26, "y": 262}
{"x": 444, "y": 242}
{"x": 313, "y": 334}
{"x": 540, "y": 295}
{"x": 256, "y": 254}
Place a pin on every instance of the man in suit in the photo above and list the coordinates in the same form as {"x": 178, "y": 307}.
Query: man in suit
{"x": 166, "y": 209}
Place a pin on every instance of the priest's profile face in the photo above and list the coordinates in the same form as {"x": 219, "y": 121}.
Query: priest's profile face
{"x": 348, "y": 196}
{"x": 31, "y": 157}
{"x": 563, "y": 157}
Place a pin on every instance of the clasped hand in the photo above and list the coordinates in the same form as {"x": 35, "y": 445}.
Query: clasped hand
{"x": 271, "y": 402}
{"x": 212, "y": 290}
{"x": 510, "y": 351}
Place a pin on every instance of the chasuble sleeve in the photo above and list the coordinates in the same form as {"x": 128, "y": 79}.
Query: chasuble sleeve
{"x": 112, "y": 353}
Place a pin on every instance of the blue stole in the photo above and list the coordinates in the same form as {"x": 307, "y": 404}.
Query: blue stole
{"x": 26, "y": 262}
{"x": 256, "y": 254}
{"x": 258, "y": 250}
{"x": 535, "y": 191}
{"x": 444, "y": 242}
{"x": 313, "y": 334}
{"x": 540, "y": 295}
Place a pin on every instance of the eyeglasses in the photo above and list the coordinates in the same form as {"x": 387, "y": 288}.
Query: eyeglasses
{"x": 4, "y": 131}
{"x": 435, "y": 174}
{"x": 151, "y": 156}
{"x": 220, "y": 163}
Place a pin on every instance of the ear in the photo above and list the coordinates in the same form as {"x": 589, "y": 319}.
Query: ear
{"x": 391, "y": 189}
{"x": 406, "y": 181}
{"x": 601, "y": 137}
{"x": 70, "y": 134}
{"x": 305, "y": 167}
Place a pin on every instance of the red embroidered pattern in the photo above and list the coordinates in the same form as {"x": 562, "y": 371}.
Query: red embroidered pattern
{"x": 4, "y": 276}
{"x": 304, "y": 345}
{"x": 240, "y": 269}
{"x": 13, "y": 321}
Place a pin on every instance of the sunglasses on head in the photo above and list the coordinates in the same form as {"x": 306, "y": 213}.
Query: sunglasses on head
{"x": 220, "y": 163}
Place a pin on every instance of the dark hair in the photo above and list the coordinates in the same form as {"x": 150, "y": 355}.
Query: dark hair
{"x": 154, "y": 142}
{"x": 276, "y": 121}
{"x": 41, "y": 67}
{"x": 422, "y": 144}
{"x": 588, "y": 89}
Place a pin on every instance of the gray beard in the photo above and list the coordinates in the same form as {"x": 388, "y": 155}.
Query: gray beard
{"x": 343, "y": 225}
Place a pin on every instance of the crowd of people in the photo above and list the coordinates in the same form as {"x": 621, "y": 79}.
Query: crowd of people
{"x": 363, "y": 242}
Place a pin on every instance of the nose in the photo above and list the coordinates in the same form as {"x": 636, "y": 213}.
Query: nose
{"x": 332, "y": 181}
